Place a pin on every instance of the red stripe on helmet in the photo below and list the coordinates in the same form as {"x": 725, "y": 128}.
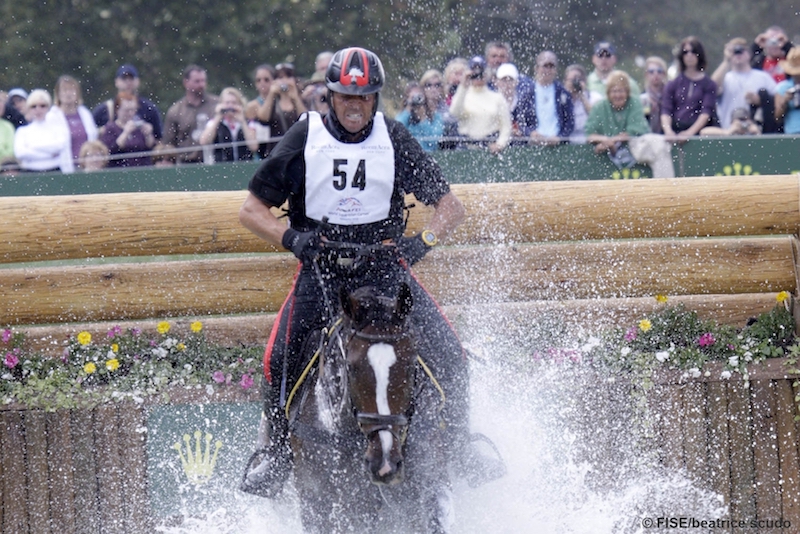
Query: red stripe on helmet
{"x": 347, "y": 78}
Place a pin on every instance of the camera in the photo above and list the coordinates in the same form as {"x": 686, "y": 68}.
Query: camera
{"x": 577, "y": 84}
{"x": 738, "y": 49}
{"x": 227, "y": 110}
{"x": 794, "y": 96}
{"x": 284, "y": 87}
{"x": 418, "y": 99}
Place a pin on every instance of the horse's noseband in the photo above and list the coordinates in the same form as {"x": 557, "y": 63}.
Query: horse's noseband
{"x": 372, "y": 423}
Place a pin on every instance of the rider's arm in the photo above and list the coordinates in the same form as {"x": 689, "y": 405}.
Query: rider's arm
{"x": 256, "y": 216}
{"x": 448, "y": 214}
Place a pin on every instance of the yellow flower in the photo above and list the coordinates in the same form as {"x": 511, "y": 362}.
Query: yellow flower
{"x": 89, "y": 368}
{"x": 661, "y": 298}
{"x": 162, "y": 327}
{"x": 84, "y": 338}
{"x": 645, "y": 325}
{"x": 181, "y": 347}
{"x": 196, "y": 326}
{"x": 782, "y": 296}
{"x": 112, "y": 364}
{"x": 114, "y": 348}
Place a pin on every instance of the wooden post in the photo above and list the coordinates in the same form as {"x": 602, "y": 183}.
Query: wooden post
{"x": 39, "y": 497}
{"x": 62, "y": 480}
{"x": 15, "y": 491}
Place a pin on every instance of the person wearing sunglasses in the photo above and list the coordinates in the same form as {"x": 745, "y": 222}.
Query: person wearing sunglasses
{"x": 546, "y": 114}
{"x": 689, "y": 102}
{"x": 739, "y": 85}
{"x": 264, "y": 76}
{"x": 655, "y": 79}
{"x": 604, "y": 60}
{"x": 41, "y": 145}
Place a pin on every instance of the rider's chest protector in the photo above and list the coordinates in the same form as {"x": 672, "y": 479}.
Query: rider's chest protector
{"x": 349, "y": 183}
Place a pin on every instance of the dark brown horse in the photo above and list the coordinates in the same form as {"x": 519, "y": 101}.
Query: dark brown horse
{"x": 365, "y": 425}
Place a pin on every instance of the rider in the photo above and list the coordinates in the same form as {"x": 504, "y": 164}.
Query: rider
{"x": 345, "y": 175}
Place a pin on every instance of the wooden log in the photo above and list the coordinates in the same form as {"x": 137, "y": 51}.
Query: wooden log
{"x": 15, "y": 490}
{"x": 38, "y": 471}
{"x": 670, "y": 399}
{"x": 86, "y": 490}
{"x": 130, "y": 224}
{"x": 454, "y": 276}
{"x": 62, "y": 481}
{"x": 742, "y": 462}
{"x": 787, "y": 452}
{"x": 109, "y": 457}
{"x": 765, "y": 450}
{"x": 718, "y": 443}
{"x": 502, "y": 319}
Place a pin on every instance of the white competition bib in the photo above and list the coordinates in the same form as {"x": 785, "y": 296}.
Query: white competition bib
{"x": 349, "y": 183}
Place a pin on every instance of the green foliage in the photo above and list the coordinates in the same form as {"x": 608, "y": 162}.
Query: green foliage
{"x": 124, "y": 365}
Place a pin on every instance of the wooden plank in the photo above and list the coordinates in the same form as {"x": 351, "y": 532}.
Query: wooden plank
{"x": 788, "y": 441}
{"x": 695, "y": 433}
{"x": 742, "y": 462}
{"x": 473, "y": 276}
{"x": 671, "y": 413}
{"x": 109, "y": 456}
{"x": 86, "y": 490}
{"x": 79, "y": 226}
{"x": 38, "y": 471}
{"x": 62, "y": 481}
{"x": 15, "y": 483}
{"x": 718, "y": 444}
{"x": 765, "y": 450}
{"x": 132, "y": 438}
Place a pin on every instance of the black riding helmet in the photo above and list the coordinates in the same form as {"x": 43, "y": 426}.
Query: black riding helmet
{"x": 354, "y": 71}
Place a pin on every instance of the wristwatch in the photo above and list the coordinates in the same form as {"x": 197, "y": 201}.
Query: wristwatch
{"x": 429, "y": 238}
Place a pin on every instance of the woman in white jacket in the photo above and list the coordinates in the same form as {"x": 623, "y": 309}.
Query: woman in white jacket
{"x": 72, "y": 115}
{"x": 41, "y": 144}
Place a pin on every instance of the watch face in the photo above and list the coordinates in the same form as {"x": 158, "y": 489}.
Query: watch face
{"x": 429, "y": 238}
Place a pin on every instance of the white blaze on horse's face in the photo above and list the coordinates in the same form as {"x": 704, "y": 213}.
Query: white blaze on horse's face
{"x": 381, "y": 357}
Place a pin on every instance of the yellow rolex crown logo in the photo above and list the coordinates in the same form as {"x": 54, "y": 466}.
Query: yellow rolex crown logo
{"x": 198, "y": 464}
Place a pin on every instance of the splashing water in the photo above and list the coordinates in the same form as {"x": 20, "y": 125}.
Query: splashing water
{"x": 574, "y": 466}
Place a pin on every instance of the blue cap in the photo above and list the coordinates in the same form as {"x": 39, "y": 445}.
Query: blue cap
{"x": 127, "y": 70}
{"x": 477, "y": 61}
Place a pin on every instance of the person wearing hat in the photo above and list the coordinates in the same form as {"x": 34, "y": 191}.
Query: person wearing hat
{"x": 604, "y": 60}
{"x": 482, "y": 114}
{"x": 127, "y": 81}
{"x": 787, "y": 94}
{"x": 16, "y": 107}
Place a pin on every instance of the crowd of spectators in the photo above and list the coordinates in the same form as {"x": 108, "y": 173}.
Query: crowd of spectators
{"x": 481, "y": 102}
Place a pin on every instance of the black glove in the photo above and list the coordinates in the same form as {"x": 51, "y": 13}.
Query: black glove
{"x": 304, "y": 245}
{"x": 412, "y": 249}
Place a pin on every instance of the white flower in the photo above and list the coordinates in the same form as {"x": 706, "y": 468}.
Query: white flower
{"x": 209, "y": 389}
{"x": 590, "y": 344}
{"x": 707, "y": 374}
{"x": 662, "y": 356}
{"x": 694, "y": 372}
{"x": 159, "y": 352}
{"x": 169, "y": 342}
{"x": 748, "y": 356}
{"x": 111, "y": 355}
{"x": 733, "y": 361}
{"x": 725, "y": 374}
{"x": 188, "y": 367}
{"x": 625, "y": 351}
{"x": 8, "y": 376}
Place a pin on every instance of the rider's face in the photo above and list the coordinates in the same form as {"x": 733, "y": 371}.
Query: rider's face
{"x": 353, "y": 111}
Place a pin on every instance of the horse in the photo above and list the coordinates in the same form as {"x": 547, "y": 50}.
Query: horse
{"x": 365, "y": 426}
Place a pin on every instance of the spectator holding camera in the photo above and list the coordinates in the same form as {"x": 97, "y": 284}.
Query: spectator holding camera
{"x": 424, "y": 123}
{"x": 740, "y": 124}
{"x": 739, "y": 86}
{"x": 655, "y": 79}
{"x": 482, "y": 114}
{"x": 128, "y": 136}
{"x": 228, "y": 131}
{"x": 582, "y": 100}
{"x": 283, "y": 104}
{"x": 787, "y": 94}
{"x": 768, "y": 50}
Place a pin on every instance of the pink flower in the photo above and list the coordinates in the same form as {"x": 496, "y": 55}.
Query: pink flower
{"x": 706, "y": 340}
{"x": 630, "y": 335}
{"x": 218, "y": 377}
{"x": 11, "y": 360}
{"x": 7, "y": 334}
{"x": 114, "y": 332}
{"x": 246, "y": 382}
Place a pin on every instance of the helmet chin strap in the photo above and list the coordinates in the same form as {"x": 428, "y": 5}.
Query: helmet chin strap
{"x": 347, "y": 135}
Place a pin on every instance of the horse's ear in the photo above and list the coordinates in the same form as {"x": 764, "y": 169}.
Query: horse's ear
{"x": 404, "y": 301}
{"x": 344, "y": 301}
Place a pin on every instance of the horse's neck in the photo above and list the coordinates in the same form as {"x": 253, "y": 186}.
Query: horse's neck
{"x": 330, "y": 388}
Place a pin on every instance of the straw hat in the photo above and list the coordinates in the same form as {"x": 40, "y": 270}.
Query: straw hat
{"x": 791, "y": 65}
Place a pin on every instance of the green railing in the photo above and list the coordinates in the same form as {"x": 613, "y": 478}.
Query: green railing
{"x": 698, "y": 157}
